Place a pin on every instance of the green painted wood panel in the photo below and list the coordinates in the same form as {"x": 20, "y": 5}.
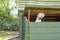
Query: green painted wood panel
{"x": 20, "y": 25}
{"x": 26, "y": 29}
{"x": 45, "y": 36}
{"x": 40, "y": 0}
{"x": 45, "y": 30}
{"x": 45, "y": 24}
{"x": 42, "y": 30}
{"x": 45, "y": 33}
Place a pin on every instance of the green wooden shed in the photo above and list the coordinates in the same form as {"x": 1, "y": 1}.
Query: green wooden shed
{"x": 48, "y": 29}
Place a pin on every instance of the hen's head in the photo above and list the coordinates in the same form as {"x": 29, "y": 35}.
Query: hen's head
{"x": 40, "y": 15}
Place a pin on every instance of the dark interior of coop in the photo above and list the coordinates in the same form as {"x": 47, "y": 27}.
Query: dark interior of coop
{"x": 51, "y": 14}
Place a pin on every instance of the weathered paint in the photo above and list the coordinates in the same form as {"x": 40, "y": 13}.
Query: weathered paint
{"x": 21, "y": 26}
{"x": 42, "y": 30}
{"x": 45, "y": 30}
{"x": 38, "y": 31}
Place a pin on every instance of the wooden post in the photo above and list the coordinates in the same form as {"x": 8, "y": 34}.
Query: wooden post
{"x": 20, "y": 25}
{"x": 29, "y": 25}
{"x": 29, "y": 15}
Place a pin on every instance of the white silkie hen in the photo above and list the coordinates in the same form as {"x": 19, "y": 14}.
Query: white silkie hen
{"x": 39, "y": 17}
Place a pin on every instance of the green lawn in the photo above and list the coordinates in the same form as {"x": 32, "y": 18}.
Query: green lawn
{"x": 4, "y": 33}
{"x": 2, "y": 37}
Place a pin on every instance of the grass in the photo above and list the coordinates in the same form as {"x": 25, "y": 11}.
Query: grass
{"x": 2, "y": 37}
{"x": 4, "y": 33}
{"x": 8, "y": 32}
